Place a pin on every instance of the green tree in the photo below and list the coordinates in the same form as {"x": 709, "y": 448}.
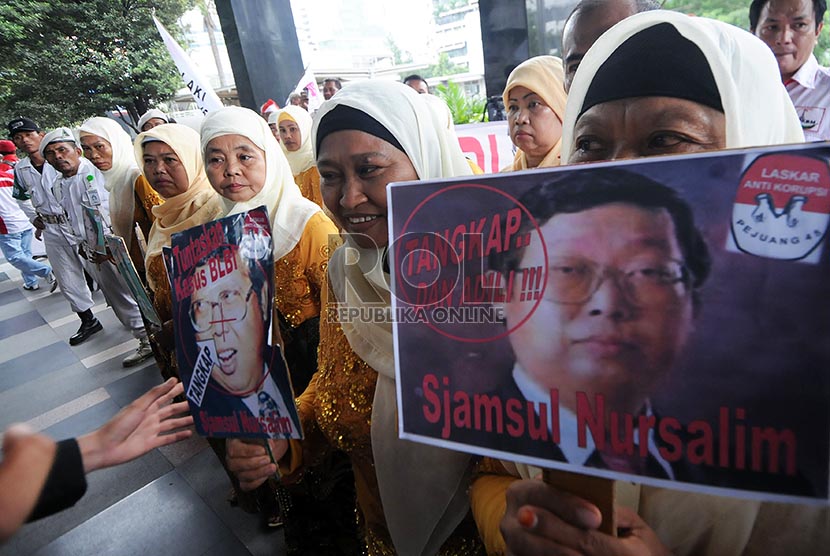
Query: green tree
{"x": 465, "y": 110}
{"x": 64, "y": 60}
{"x": 398, "y": 56}
{"x": 443, "y": 67}
{"x": 736, "y": 12}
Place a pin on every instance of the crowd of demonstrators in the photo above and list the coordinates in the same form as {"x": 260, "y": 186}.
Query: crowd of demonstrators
{"x": 694, "y": 85}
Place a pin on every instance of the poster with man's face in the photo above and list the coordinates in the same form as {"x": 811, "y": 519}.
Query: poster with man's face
{"x": 658, "y": 320}
{"x": 222, "y": 285}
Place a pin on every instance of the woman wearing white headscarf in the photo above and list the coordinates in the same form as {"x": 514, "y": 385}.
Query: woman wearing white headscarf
{"x": 246, "y": 166}
{"x": 294, "y": 125}
{"x": 696, "y": 85}
{"x": 170, "y": 160}
{"x": 412, "y": 497}
{"x": 132, "y": 199}
{"x": 152, "y": 118}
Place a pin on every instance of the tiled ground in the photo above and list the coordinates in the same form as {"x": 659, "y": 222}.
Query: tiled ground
{"x": 171, "y": 501}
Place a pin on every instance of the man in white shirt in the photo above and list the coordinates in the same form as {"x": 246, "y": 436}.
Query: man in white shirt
{"x": 15, "y": 228}
{"x": 79, "y": 191}
{"x": 33, "y": 177}
{"x": 791, "y": 29}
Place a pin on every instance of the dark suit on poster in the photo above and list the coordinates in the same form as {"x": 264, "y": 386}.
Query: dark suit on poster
{"x": 681, "y": 470}
{"x": 218, "y": 402}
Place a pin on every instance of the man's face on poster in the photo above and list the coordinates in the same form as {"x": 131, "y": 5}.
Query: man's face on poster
{"x": 616, "y": 310}
{"x": 227, "y": 310}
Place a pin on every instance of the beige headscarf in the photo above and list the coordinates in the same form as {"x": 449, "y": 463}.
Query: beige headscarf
{"x": 303, "y": 158}
{"x": 758, "y": 112}
{"x": 422, "y": 488}
{"x": 120, "y": 178}
{"x": 196, "y": 206}
{"x": 544, "y": 76}
{"x": 288, "y": 210}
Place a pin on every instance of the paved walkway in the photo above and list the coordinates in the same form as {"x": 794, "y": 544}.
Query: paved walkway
{"x": 170, "y": 501}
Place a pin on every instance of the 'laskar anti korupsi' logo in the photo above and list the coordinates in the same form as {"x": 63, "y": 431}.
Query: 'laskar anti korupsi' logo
{"x": 782, "y": 207}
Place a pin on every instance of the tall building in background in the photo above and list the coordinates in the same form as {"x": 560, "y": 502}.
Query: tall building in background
{"x": 457, "y": 34}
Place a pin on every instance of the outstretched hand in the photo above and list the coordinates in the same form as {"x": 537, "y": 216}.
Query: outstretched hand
{"x": 149, "y": 422}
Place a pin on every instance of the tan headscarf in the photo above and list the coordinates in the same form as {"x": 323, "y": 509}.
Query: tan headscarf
{"x": 544, "y": 76}
{"x": 196, "y": 206}
{"x": 120, "y": 178}
{"x": 288, "y": 210}
{"x": 303, "y": 158}
{"x": 422, "y": 488}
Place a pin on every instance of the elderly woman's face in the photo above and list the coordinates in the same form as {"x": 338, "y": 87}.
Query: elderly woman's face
{"x": 355, "y": 168}
{"x": 235, "y": 167}
{"x": 164, "y": 170}
{"x": 646, "y": 126}
{"x": 534, "y": 126}
{"x": 98, "y": 151}
{"x": 151, "y": 123}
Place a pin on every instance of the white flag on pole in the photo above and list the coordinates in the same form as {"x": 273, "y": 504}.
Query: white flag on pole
{"x": 309, "y": 83}
{"x": 204, "y": 95}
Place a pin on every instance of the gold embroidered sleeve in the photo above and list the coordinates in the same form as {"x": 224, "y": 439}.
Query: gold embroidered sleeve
{"x": 488, "y": 503}
{"x": 300, "y": 274}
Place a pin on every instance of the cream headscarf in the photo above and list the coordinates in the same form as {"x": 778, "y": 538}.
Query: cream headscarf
{"x": 422, "y": 488}
{"x": 544, "y": 76}
{"x": 196, "y": 206}
{"x": 303, "y": 158}
{"x": 288, "y": 210}
{"x": 120, "y": 178}
{"x": 757, "y": 107}
{"x": 758, "y": 112}
{"x": 150, "y": 114}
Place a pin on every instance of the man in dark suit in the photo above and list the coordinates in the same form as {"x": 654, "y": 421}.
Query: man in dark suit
{"x": 624, "y": 265}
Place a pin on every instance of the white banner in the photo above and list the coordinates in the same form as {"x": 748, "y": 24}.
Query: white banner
{"x": 206, "y": 99}
{"x": 309, "y": 83}
{"x": 487, "y": 144}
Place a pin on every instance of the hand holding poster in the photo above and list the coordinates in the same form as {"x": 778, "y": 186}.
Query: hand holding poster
{"x": 622, "y": 319}
{"x": 235, "y": 378}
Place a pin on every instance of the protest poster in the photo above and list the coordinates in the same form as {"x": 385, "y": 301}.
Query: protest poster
{"x": 222, "y": 284}
{"x": 660, "y": 320}
{"x": 124, "y": 264}
{"x": 94, "y": 226}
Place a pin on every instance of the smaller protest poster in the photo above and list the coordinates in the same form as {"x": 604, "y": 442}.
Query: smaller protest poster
{"x": 222, "y": 285}
{"x": 655, "y": 320}
{"x": 125, "y": 267}
{"x": 94, "y": 226}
